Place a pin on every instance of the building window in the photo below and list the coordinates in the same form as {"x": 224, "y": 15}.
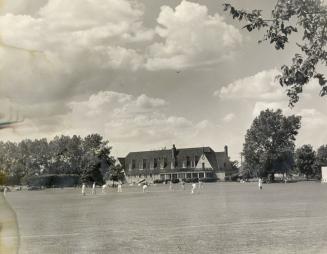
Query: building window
{"x": 203, "y": 165}
{"x": 196, "y": 159}
{"x": 161, "y": 163}
{"x": 144, "y": 164}
{"x": 155, "y": 162}
{"x": 165, "y": 162}
{"x": 133, "y": 164}
{"x": 176, "y": 163}
{"x": 188, "y": 161}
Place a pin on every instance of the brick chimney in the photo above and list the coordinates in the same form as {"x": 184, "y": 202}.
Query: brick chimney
{"x": 226, "y": 150}
{"x": 173, "y": 152}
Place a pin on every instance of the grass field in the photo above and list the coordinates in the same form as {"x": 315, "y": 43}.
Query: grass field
{"x": 222, "y": 218}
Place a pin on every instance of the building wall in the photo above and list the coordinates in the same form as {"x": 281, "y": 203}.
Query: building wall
{"x": 151, "y": 164}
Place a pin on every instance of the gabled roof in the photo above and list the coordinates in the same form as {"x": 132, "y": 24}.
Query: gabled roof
{"x": 180, "y": 153}
{"x": 217, "y": 160}
{"x": 150, "y": 154}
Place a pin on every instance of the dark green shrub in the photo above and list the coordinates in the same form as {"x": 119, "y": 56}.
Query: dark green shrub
{"x": 52, "y": 180}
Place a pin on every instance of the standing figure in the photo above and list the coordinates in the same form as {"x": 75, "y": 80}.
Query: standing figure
{"x": 83, "y": 189}
{"x": 5, "y": 190}
{"x": 260, "y": 183}
{"x": 104, "y": 188}
{"x": 145, "y": 187}
{"x": 93, "y": 189}
{"x": 119, "y": 187}
{"x": 193, "y": 188}
{"x": 183, "y": 185}
{"x": 200, "y": 184}
{"x": 171, "y": 186}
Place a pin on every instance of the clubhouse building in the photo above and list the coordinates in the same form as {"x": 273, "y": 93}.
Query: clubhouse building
{"x": 168, "y": 164}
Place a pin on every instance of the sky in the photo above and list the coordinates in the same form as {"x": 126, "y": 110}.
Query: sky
{"x": 144, "y": 74}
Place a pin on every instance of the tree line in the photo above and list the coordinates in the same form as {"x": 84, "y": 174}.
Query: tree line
{"x": 269, "y": 148}
{"x": 88, "y": 157}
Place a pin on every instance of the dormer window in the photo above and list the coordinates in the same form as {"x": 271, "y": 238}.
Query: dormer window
{"x": 196, "y": 160}
{"x": 188, "y": 161}
{"x": 165, "y": 162}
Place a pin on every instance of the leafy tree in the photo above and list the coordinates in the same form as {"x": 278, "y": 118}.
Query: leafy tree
{"x": 101, "y": 149}
{"x": 308, "y": 17}
{"x": 91, "y": 172}
{"x": 2, "y": 178}
{"x": 116, "y": 173}
{"x": 322, "y": 155}
{"x": 269, "y": 143}
{"x": 235, "y": 166}
{"x": 305, "y": 160}
{"x": 74, "y": 153}
{"x": 88, "y": 157}
{"x": 96, "y": 158}
{"x": 59, "y": 163}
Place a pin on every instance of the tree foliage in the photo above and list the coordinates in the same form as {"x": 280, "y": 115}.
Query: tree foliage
{"x": 116, "y": 173}
{"x": 308, "y": 17}
{"x": 88, "y": 157}
{"x": 322, "y": 155}
{"x": 306, "y": 160}
{"x": 269, "y": 143}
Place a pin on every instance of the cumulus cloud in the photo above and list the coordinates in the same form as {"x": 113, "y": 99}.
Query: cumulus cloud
{"x": 313, "y": 118}
{"x": 314, "y": 124}
{"x": 21, "y": 6}
{"x": 229, "y": 117}
{"x": 130, "y": 121}
{"x": 70, "y": 31}
{"x": 262, "y": 105}
{"x": 191, "y": 37}
{"x": 261, "y": 86}
{"x": 51, "y": 48}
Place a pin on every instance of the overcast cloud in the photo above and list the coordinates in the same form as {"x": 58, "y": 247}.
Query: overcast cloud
{"x": 143, "y": 74}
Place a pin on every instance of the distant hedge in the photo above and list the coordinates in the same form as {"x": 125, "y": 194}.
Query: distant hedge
{"x": 52, "y": 180}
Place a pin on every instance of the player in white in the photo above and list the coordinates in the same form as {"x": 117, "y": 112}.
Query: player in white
{"x": 260, "y": 184}
{"x": 200, "y": 184}
{"x": 119, "y": 187}
{"x": 145, "y": 187}
{"x": 193, "y": 188}
{"x": 83, "y": 189}
{"x": 171, "y": 186}
{"x": 183, "y": 185}
{"x": 104, "y": 188}
{"x": 93, "y": 189}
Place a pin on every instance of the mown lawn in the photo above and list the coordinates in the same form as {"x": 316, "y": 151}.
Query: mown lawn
{"x": 222, "y": 218}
